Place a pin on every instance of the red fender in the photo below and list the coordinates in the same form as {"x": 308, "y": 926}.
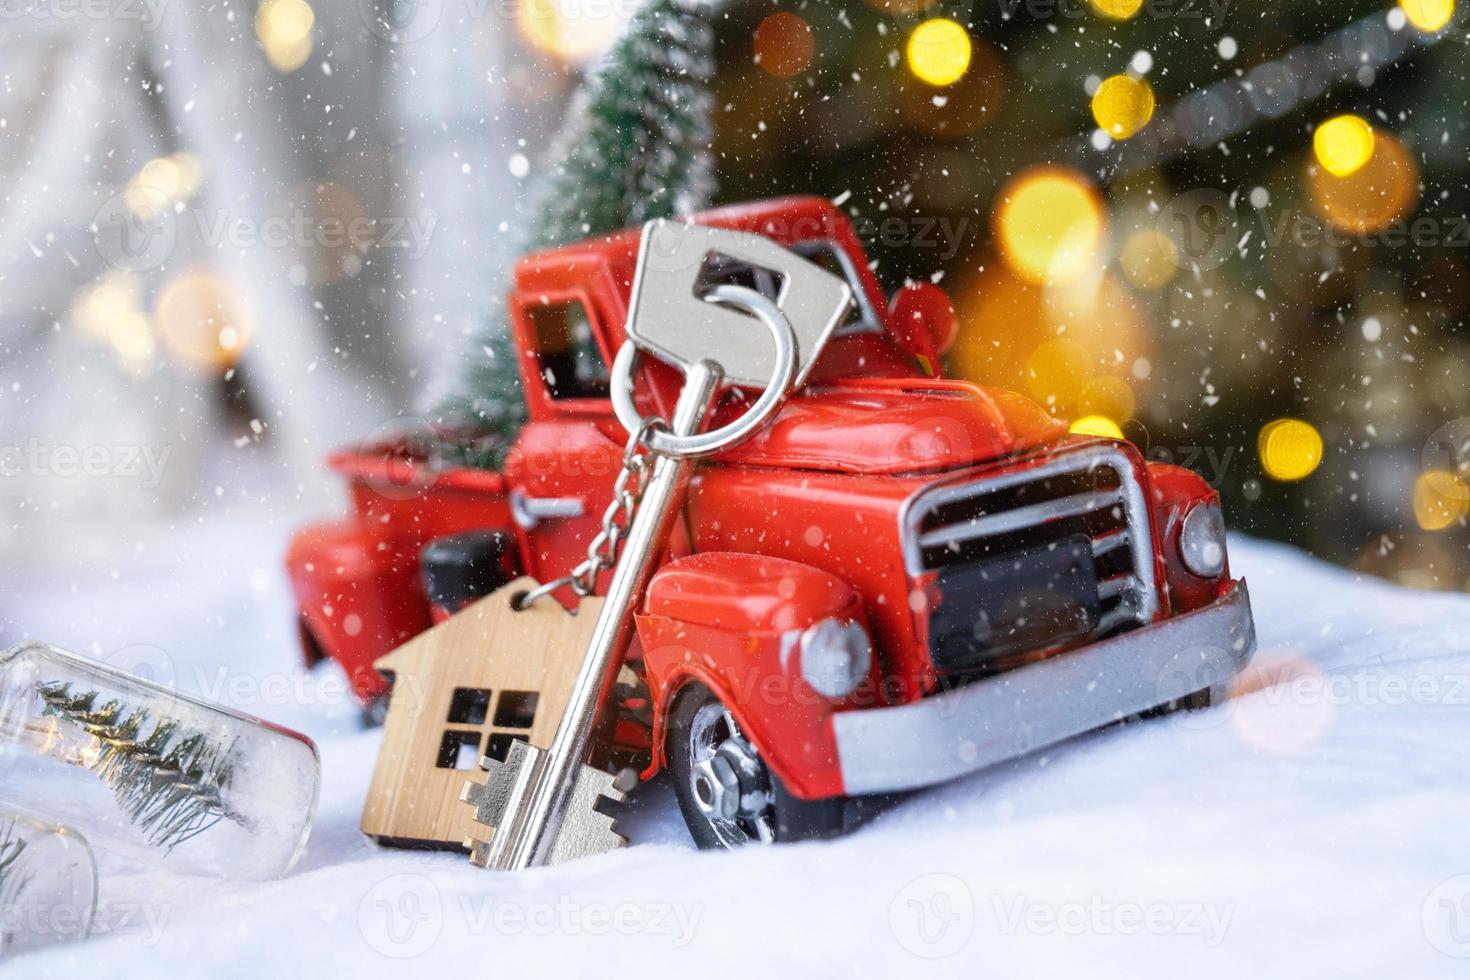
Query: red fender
{"x": 1176, "y": 491}
{"x": 357, "y": 586}
{"x": 733, "y": 622}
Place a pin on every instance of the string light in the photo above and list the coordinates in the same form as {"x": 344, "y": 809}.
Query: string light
{"x": 1429, "y": 16}
{"x": 1096, "y": 425}
{"x": 1149, "y": 259}
{"x": 1050, "y": 225}
{"x": 570, "y": 31}
{"x": 784, "y": 44}
{"x": 1382, "y": 191}
{"x": 939, "y": 52}
{"x": 1117, "y": 9}
{"x": 1123, "y": 105}
{"x": 1343, "y": 145}
{"x": 1441, "y": 499}
{"x": 284, "y": 28}
{"x": 1290, "y": 449}
{"x": 202, "y": 319}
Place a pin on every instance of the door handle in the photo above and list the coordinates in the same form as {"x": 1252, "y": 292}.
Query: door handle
{"x": 528, "y": 512}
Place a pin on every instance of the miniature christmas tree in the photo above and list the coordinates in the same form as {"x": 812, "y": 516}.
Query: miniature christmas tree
{"x": 636, "y": 145}
{"x": 12, "y": 846}
{"x": 168, "y": 780}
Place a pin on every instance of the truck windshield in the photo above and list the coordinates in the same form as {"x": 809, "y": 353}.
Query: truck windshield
{"x": 722, "y": 270}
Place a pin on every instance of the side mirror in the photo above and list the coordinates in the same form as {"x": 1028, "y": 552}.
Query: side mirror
{"x": 922, "y": 312}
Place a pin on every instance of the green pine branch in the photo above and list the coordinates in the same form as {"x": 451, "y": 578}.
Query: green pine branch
{"x": 168, "y": 780}
{"x": 12, "y": 846}
{"x": 636, "y": 145}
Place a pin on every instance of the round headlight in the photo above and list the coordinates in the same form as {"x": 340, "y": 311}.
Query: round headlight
{"x": 1202, "y": 541}
{"x": 835, "y": 656}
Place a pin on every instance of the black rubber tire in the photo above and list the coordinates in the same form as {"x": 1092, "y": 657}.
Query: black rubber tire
{"x": 795, "y": 819}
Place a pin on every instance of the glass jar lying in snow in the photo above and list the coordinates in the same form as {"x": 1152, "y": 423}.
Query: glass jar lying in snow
{"x": 48, "y": 884}
{"x": 151, "y": 776}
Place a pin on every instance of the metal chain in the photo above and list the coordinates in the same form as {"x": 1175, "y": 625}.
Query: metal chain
{"x": 602, "y": 552}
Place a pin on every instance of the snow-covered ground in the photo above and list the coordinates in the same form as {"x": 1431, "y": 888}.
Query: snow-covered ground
{"x": 1316, "y": 825}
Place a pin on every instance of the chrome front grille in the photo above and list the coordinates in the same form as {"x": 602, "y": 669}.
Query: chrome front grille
{"x": 983, "y": 522}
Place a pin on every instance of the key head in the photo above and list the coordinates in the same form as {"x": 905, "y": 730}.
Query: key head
{"x": 669, "y": 318}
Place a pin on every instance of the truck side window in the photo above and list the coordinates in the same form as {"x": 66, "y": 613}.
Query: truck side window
{"x": 571, "y": 364}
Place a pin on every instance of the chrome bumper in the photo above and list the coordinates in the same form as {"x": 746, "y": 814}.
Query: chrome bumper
{"x": 886, "y": 750}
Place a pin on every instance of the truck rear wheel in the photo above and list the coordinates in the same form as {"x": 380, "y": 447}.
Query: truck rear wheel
{"x": 727, "y": 793}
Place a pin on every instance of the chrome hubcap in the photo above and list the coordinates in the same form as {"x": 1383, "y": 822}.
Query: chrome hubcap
{"x": 731, "y": 784}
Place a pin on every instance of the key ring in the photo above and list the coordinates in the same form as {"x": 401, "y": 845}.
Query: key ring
{"x": 665, "y": 443}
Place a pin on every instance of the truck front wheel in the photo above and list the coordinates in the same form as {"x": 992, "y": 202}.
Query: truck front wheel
{"x": 727, "y": 793}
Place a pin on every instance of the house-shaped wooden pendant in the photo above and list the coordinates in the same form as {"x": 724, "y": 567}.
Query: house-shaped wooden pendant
{"x": 467, "y": 688}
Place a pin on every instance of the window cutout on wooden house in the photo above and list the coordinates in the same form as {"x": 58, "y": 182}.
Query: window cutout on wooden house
{"x": 459, "y": 750}
{"x": 517, "y": 709}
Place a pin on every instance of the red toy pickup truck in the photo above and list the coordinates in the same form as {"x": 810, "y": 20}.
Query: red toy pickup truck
{"x": 900, "y": 580}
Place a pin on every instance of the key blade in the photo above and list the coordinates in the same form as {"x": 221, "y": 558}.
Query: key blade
{"x": 585, "y": 830}
{"x": 502, "y": 793}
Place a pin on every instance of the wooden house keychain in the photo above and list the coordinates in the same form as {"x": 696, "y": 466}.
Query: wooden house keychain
{"x": 540, "y": 805}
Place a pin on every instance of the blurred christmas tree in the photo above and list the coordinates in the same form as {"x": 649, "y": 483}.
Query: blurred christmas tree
{"x": 1233, "y": 231}
{"x": 636, "y": 145}
{"x": 1147, "y": 224}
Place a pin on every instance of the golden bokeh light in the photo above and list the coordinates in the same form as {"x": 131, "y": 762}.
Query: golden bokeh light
{"x": 1149, "y": 259}
{"x": 1050, "y": 225}
{"x": 571, "y": 31}
{"x": 1123, "y": 105}
{"x": 1096, "y": 425}
{"x": 161, "y": 183}
{"x": 1056, "y": 373}
{"x": 1343, "y": 145}
{"x": 1107, "y": 395}
{"x": 132, "y": 341}
{"x": 939, "y": 51}
{"x": 284, "y": 28}
{"x": 203, "y": 319}
{"x": 110, "y": 312}
{"x": 962, "y": 108}
{"x": 1429, "y": 16}
{"x": 1005, "y": 320}
{"x": 1441, "y": 499}
{"x": 1290, "y": 449}
{"x": 1382, "y": 191}
{"x": 784, "y": 44}
{"x": 1117, "y": 9}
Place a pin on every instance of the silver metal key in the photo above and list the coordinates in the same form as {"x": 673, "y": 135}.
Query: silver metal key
{"x": 542, "y": 805}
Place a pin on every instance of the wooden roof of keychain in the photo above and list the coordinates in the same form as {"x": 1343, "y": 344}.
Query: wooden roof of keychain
{"x": 469, "y": 688}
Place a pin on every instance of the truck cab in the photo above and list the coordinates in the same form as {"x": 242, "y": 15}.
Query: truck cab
{"x": 899, "y": 580}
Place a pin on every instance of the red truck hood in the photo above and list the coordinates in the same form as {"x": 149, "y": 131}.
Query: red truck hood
{"x": 897, "y": 426}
